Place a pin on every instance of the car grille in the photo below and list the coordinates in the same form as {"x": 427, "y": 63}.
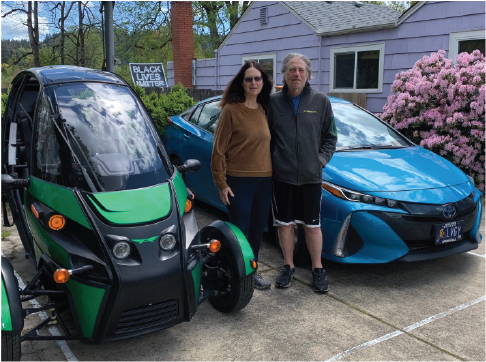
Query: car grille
{"x": 418, "y": 231}
{"x": 147, "y": 316}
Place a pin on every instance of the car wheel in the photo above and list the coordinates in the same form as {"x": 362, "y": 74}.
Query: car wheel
{"x": 10, "y": 347}
{"x": 301, "y": 253}
{"x": 222, "y": 275}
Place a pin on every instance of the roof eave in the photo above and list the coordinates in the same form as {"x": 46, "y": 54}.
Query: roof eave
{"x": 359, "y": 30}
{"x": 250, "y": 5}
{"x": 410, "y": 11}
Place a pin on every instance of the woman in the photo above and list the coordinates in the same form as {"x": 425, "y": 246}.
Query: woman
{"x": 240, "y": 163}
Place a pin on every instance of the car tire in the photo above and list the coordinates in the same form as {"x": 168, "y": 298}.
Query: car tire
{"x": 301, "y": 253}
{"x": 241, "y": 291}
{"x": 10, "y": 347}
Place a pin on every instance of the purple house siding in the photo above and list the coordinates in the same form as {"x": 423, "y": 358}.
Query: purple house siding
{"x": 425, "y": 31}
{"x": 283, "y": 33}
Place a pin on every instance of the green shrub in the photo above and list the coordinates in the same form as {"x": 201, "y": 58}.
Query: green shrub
{"x": 165, "y": 105}
{"x": 4, "y": 101}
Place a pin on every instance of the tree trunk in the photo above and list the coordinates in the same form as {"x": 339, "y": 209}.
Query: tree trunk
{"x": 81, "y": 59}
{"x": 212, "y": 10}
{"x": 33, "y": 30}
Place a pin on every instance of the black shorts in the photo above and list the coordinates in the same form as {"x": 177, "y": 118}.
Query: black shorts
{"x": 293, "y": 204}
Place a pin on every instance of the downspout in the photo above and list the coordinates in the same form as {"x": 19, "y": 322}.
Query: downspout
{"x": 216, "y": 56}
{"x": 320, "y": 65}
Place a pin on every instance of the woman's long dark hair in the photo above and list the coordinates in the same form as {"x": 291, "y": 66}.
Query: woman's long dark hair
{"x": 235, "y": 93}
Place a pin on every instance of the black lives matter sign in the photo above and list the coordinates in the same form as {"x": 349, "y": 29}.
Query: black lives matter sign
{"x": 148, "y": 74}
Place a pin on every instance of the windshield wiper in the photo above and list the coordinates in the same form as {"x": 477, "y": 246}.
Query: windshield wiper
{"x": 371, "y": 147}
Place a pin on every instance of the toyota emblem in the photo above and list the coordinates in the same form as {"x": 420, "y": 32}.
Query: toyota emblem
{"x": 449, "y": 211}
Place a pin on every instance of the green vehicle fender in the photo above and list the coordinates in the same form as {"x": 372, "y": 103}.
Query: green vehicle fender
{"x": 233, "y": 242}
{"x": 12, "y": 315}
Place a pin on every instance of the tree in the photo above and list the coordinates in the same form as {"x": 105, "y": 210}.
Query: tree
{"x": 400, "y": 6}
{"x": 32, "y": 14}
{"x": 60, "y": 23}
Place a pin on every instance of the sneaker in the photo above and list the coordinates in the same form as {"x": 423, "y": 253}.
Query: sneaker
{"x": 261, "y": 283}
{"x": 319, "y": 282}
{"x": 285, "y": 277}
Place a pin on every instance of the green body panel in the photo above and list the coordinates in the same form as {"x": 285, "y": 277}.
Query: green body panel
{"x": 245, "y": 247}
{"x": 6, "y": 317}
{"x": 87, "y": 300}
{"x": 45, "y": 242}
{"x": 58, "y": 198}
{"x": 181, "y": 191}
{"x": 148, "y": 240}
{"x": 133, "y": 206}
{"x": 196, "y": 277}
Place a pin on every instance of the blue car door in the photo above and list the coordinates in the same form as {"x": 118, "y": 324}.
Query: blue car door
{"x": 197, "y": 143}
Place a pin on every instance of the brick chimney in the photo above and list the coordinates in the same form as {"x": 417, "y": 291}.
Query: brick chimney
{"x": 182, "y": 41}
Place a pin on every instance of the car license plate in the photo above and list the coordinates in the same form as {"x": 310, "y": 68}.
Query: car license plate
{"x": 448, "y": 233}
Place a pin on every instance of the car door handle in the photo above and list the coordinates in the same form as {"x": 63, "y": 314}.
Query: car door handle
{"x": 186, "y": 136}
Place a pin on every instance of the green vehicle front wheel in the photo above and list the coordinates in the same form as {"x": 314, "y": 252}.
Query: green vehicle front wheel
{"x": 10, "y": 346}
{"x": 240, "y": 294}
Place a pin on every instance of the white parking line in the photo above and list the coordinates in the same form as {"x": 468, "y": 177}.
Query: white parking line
{"x": 406, "y": 329}
{"x": 52, "y": 329}
{"x": 480, "y": 255}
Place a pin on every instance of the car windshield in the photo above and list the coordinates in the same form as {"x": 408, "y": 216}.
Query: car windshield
{"x": 360, "y": 130}
{"x": 111, "y": 137}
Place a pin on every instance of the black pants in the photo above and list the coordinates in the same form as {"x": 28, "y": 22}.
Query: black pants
{"x": 250, "y": 206}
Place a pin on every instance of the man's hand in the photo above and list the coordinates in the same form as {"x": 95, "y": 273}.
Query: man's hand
{"x": 223, "y": 195}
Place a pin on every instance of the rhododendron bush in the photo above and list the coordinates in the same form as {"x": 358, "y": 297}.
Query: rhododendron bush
{"x": 439, "y": 104}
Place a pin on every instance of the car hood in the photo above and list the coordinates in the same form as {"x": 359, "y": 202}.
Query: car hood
{"x": 404, "y": 169}
{"x": 133, "y": 206}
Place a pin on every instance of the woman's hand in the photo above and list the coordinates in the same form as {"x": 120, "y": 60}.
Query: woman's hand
{"x": 223, "y": 195}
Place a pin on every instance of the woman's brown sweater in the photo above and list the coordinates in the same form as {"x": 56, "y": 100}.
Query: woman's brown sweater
{"x": 241, "y": 144}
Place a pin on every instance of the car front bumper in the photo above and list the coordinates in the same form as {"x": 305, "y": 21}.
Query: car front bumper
{"x": 377, "y": 234}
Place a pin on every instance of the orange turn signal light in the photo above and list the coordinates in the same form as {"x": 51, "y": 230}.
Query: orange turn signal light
{"x": 34, "y": 211}
{"x": 188, "y": 206}
{"x": 332, "y": 190}
{"x": 214, "y": 246}
{"x": 61, "y": 276}
{"x": 253, "y": 263}
{"x": 57, "y": 222}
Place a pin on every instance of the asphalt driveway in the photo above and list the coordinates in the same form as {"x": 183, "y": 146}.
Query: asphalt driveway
{"x": 432, "y": 310}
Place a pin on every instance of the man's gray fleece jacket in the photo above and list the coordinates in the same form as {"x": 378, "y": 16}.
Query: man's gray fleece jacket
{"x": 301, "y": 144}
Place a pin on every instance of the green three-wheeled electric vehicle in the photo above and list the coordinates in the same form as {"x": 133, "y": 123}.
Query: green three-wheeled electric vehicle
{"x": 104, "y": 216}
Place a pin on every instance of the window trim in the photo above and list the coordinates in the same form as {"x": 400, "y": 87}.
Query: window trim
{"x": 355, "y": 49}
{"x": 456, "y": 37}
{"x": 264, "y": 56}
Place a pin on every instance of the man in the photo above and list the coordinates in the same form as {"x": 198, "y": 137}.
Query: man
{"x": 303, "y": 141}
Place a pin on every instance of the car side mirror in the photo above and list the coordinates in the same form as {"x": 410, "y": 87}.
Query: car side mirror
{"x": 190, "y": 166}
{"x": 8, "y": 182}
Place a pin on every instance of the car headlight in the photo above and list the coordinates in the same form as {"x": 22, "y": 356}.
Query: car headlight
{"x": 121, "y": 250}
{"x": 351, "y": 195}
{"x": 167, "y": 242}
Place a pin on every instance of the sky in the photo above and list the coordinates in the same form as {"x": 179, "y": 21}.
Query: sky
{"x": 13, "y": 28}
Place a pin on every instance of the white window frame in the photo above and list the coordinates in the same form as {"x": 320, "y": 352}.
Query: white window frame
{"x": 264, "y": 56}
{"x": 455, "y": 38}
{"x": 380, "y": 47}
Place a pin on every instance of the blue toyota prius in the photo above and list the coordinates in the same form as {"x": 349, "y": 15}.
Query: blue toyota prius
{"x": 383, "y": 197}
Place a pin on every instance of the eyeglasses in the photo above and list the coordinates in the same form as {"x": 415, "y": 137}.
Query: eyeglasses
{"x": 250, "y": 79}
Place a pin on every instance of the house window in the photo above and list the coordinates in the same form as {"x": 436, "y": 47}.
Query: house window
{"x": 466, "y": 41}
{"x": 357, "y": 69}
{"x": 268, "y": 63}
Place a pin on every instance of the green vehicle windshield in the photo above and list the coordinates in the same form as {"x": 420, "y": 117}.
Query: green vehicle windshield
{"x": 111, "y": 137}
